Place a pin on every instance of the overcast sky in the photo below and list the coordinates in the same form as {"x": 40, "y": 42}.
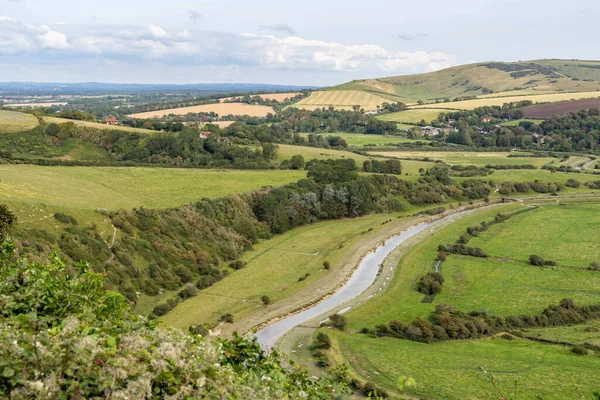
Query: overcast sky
{"x": 308, "y": 42}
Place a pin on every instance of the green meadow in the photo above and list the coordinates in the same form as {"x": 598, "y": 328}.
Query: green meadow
{"x": 504, "y": 284}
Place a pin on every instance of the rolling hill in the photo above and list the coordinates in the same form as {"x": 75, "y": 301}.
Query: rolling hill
{"x": 481, "y": 80}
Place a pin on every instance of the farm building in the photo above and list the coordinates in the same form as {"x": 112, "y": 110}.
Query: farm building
{"x": 111, "y": 121}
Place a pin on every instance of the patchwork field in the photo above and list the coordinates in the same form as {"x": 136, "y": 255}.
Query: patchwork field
{"x": 125, "y": 187}
{"x": 97, "y": 125}
{"x": 342, "y": 99}
{"x": 504, "y": 284}
{"x": 542, "y": 98}
{"x": 13, "y": 121}
{"x": 221, "y": 109}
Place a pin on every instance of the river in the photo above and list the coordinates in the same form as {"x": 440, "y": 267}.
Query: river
{"x": 361, "y": 279}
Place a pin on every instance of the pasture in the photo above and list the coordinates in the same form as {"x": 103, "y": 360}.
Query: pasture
{"x": 360, "y": 139}
{"x": 98, "y": 125}
{"x": 453, "y": 370}
{"x": 221, "y": 109}
{"x": 499, "y": 101}
{"x": 342, "y": 99}
{"x": 412, "y": 116}
{"x": 504, "y": 284}
{"x": 468, "y": 158}
{"x": 570, "y": 235}
{"x": 128, "y": 187}
{"x": 13, "y": 121}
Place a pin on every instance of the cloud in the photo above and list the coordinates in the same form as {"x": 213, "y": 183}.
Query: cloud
{"x": 2, "y": 18}
{"x": 159, "y": 46}
{"x": 52, "y": 40}
{"x": 296, "y": 52}
{"x": 157, "y": 31}
{"x": 194, "y": 16}
{"x": 279, "y": 28}
{"x": 411, "y": 37}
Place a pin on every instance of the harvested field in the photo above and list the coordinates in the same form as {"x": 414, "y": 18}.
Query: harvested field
{"x": 13, "y": 121}
{"x": 98, "y": 125}
{"x": 218, "y": 108}
{"x": 30, "y": 105}
{"x": 270, "y": 96}
{"x": 564, "y": 107}
{"x": 342, "y": 99}
{"x": 222, "y": 124}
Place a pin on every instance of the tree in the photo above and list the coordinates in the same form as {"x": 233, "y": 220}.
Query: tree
{"x": 269, "y": 151}
{"x": 297, "y": 162}
{"x": 7, "y": 220}
{"x": 52, "y": 129}
{"x": 266, "y": 300}
{"x": 536, "y": 260}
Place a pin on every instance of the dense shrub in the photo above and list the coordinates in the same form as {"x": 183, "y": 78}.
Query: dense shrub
{"x": 266, "y": 300}
{"x": 65, "y": 336}
{"x": 326, "y": 265}
{"x": 338, "y": 321}
{"x": 573, "y": 183}
{"x": 188, "y": 291}
{"x": 322, "y": 341}
{"x": 430, "y": 284}
{"x": 65, "y": 219}
{"x": 536, "y": 260}
{"x": 579, "y": 350}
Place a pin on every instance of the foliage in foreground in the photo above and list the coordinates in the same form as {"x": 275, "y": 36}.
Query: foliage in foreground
{"x": 63, "y": 335}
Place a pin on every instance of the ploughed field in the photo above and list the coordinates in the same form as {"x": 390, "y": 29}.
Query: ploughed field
{"x": 503, "y": 284}
{"x": 561, "y": 108}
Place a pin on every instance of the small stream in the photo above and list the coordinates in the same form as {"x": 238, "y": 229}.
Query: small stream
{"x": 361, "y": 279}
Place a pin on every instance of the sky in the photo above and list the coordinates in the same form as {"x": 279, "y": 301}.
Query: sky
{"x": 309, "y": 42}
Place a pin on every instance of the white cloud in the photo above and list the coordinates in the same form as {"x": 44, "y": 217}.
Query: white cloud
{"x": 157, "y": 31}
{"x": 3, "y": 18}
{"x": 292, "y": 51}
{"x": 52, "y": 39}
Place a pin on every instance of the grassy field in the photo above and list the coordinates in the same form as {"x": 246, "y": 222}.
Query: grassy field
{"x": 113, "y": 187}
{"x": 499, "y": 101}
{"x": 220, "y": 109}
{"x": 516, "y": 122}
{"x": 360, "y": 139}
{"x": 452, "y": 370}
{"x": 413, "y": 116}
{"x": 478, "y": 79}
{"x": 13, "y": 121}
{"x": 578, "y": 334}
{"x": 569, "y": 235}
{"x": 342, "y": 99}
{"x": 499, "y": 285}
{"x": 98, "y": 125}
{"x": 468, "y": 158}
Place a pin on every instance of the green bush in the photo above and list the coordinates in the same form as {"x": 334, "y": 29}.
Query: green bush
{"x": 430, "y": 284}
{"x": 579, "y": 350}
{"x": 65, "y": 219}
{"x": 536, "y": 260}
{"x": 266, "y": 300}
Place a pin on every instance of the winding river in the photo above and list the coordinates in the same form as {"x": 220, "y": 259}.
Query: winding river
{"x": 361, "y": 279}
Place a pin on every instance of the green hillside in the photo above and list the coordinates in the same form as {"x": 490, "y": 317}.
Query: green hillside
{"x": 485, "y": 79}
